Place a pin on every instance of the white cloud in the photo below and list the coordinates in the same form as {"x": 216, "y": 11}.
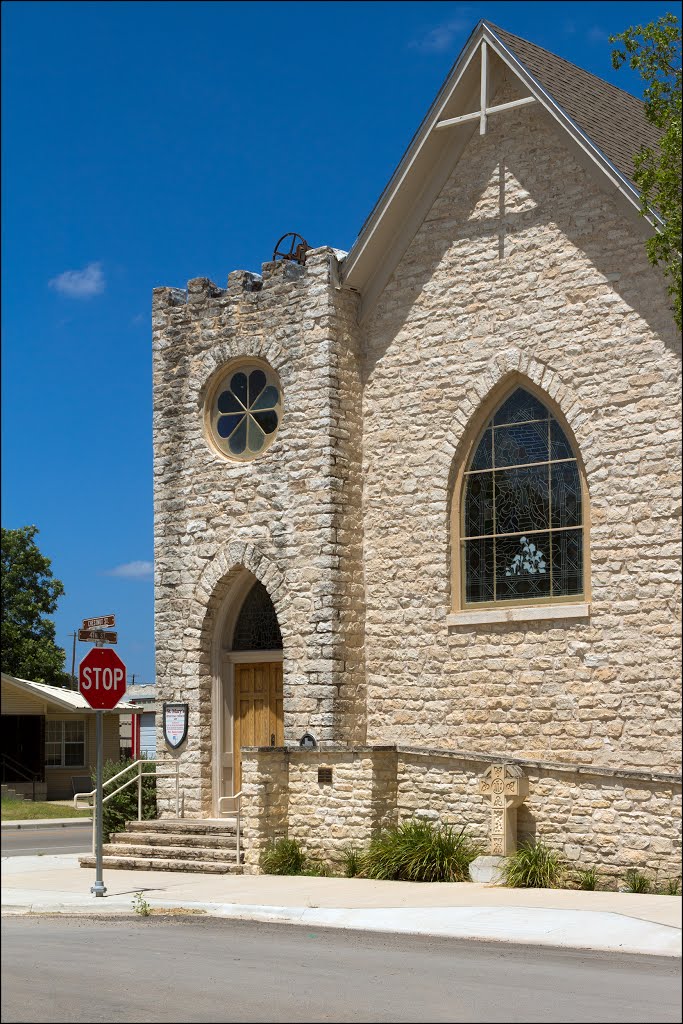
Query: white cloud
{"x": 442, "y": 37}
{"x": 596, "y": 34}
{"x": 79, "y": 284}
{"x": 133, "y": 570}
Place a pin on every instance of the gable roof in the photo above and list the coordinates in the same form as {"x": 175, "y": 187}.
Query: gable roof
{"x": 615, "y": 120}
{"x": 606, "y": 124}
{"x": 61, "y": 698}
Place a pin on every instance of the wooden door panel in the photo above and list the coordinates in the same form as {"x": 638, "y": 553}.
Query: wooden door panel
{"x": 259, "y": 711}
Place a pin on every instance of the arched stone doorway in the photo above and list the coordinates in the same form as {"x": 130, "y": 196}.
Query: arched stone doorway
{"x": 248, "y": 710}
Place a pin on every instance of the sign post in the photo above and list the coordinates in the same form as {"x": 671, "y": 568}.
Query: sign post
{"x": 102, "y": 681}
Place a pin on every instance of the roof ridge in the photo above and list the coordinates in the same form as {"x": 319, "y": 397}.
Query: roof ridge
{"x": 556, "y": 56}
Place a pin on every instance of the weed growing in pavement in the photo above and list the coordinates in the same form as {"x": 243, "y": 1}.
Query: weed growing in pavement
{"x": 140, "y": 905}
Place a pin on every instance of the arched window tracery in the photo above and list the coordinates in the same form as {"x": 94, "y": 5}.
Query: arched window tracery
{"x": 257, "y": 628}
{"x": 522, "y": 514}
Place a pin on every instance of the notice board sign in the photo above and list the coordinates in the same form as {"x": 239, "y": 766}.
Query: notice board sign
{"x": 175, "y": 723}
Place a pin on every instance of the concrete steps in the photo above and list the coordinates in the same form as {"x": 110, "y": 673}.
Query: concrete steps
{"x": 172, "y": 845}
{"x": 10, "y": 794}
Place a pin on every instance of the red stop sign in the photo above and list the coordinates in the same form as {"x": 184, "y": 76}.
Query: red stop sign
{"x": 102, "y": 678}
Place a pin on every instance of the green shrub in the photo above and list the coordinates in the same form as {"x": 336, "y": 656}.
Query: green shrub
{"x": 672, "y": 887}
{"x": 420, "y": 851}
{"x": 317, "y": 868}
{"x": 283, "y": 857}
{"x": 587, "y": 879}
{"x": 123, "y": 807}
{"x": 636, "y": 881}
{"x": 534, "y": 866}
{"x": 353, "y": 862}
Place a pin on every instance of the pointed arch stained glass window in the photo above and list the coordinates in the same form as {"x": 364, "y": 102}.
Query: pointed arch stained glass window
{"x": 522, "y": 515}
{"x": 246, "y": 411}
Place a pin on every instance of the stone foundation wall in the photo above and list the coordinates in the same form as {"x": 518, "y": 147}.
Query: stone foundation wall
{"x": 592, "y": 818}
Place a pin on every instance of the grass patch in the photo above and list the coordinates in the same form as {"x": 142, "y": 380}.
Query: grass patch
{"x": 534, "y": 866}
{"x": 420, "y": 851}
{"x": 26, "y": 810}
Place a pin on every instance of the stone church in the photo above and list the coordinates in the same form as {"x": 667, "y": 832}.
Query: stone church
{"x": 417, "y": 506}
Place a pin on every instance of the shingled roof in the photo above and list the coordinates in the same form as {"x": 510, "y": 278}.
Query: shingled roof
{"x": 611, "y": 118}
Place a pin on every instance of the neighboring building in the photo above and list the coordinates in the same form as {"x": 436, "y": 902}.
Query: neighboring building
{"x": 138, "y": 732}
{"x": 422, "y": 500}
{"x": 48, "y": 739}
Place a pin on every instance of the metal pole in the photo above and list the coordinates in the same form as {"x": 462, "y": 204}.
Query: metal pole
{"x": 139, "y": 790}
{"x": 98, "y": 888}
{"x": 74, "y": 685}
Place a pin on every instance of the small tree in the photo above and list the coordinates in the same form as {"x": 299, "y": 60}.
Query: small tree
{"x": 29, "y": 592}
{"x": 654, "y": 50}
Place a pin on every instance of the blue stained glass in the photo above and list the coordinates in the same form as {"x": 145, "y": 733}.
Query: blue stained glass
{"x": 521, "y": 443}
{"x": 255, "y": 436}
{"x": 226, "y": 424}
{"x": 268, "y": 399}
{"x": 560, "y": 447}
{"x": 567, "y": 558}
{"x": 565, "y": 494}
{"x": 479, "y": 570}
{"x": 257, "y": 382}
{"x": 520, "y": 406}
{"x": 238, "y": 441}
{"x": 482, "y": 456}
{"x": 479, "y": 505}
{"x": 266, "y": 420}
{"x": 238, "y": 386}
{"x": 228, "y": 403}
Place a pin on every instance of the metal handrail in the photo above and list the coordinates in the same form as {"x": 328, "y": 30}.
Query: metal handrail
{"x": 138, "y": 777}
{"x": 238, "y": 809}
{"x": 17, "y": 766}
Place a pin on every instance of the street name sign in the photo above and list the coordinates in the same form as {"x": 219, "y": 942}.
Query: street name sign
{"x": 97, "y": 636}
{"x": 102, "y": 678}
{"x": 99, "y": 620}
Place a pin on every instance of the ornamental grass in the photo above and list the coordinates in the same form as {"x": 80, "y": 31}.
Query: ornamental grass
{"x": 420, "y": 851}
{"x": 534, "y": 866}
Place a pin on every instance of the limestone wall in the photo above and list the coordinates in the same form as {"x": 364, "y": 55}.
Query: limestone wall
{"x": 525, "y": 269}
{"x": 591, "y": 818}
{"x": 284, "y": 517}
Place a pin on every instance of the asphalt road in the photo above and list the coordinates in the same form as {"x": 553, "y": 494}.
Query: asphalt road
{"x": 76, "y": 838}
{"x": 183, "y": 969}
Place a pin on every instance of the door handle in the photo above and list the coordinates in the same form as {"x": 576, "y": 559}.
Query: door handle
{"x": 272, "y": 739}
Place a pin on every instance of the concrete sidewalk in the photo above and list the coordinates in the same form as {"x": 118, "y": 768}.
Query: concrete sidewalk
{"x": 608, "y": 921}
{"x": 8, "y": 826}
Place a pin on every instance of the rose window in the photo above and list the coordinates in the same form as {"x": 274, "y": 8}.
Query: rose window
{"x": 245, "y": 412}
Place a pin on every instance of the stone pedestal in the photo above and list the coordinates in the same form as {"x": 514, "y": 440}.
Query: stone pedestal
{"x": 488, "y": 870}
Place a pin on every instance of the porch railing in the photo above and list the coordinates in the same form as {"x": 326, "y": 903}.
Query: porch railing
{"x": 236, "y": 809}
{"x": 137, "y": 778}
{"x": 11, "y": 766}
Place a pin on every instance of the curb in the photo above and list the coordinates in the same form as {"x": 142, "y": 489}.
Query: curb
{"x": 43, "y": 823}
{"x": 609, "y": 932}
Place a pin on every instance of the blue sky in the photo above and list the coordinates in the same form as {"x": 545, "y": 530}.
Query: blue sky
{"x": 145, "y": 144}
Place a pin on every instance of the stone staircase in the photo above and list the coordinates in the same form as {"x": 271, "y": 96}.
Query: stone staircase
{"x": 10, "y": 794}
{"x": 173, "y": 844}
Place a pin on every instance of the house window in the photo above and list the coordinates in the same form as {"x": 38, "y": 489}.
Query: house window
{"x": 522, "y": 509}
{"x": 65, "y": 744}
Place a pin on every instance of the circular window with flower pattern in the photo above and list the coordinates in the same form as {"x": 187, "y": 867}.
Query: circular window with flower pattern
{"x": 245, "y": 411}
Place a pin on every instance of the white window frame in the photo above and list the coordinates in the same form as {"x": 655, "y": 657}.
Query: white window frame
{"x": 61, "y": 721}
